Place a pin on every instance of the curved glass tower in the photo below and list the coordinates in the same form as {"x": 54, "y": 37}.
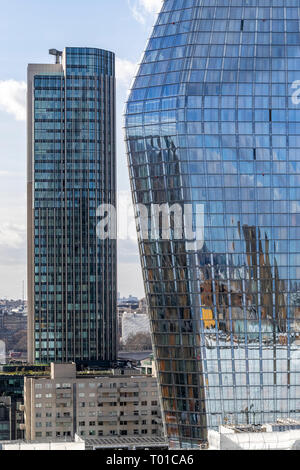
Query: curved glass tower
{"x": 71, "y": 172}
{"x": 213, "y": 121}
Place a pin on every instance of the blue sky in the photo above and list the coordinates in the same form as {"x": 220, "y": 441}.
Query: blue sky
{"x": 28, "y": 30}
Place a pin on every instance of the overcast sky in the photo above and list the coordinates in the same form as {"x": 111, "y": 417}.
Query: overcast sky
{"x": 28, "y": 30}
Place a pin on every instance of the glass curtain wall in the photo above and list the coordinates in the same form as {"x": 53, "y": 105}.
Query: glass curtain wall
{"x": 74, "y": 172}
{"x": 213, "y": 120}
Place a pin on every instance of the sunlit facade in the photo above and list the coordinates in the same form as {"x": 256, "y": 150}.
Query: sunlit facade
{"x": 71, "y": 171}
{"x": 213, "y": 118}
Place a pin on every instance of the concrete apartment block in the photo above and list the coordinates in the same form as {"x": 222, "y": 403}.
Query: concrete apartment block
{"x": 113, "y": 403}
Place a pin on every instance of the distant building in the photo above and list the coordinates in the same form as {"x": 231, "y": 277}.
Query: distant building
{"x": 11, "y": 402}
{"x": 15, "y": 321}
{"x": 143, "y": 306}
{"x": 148, "y": 366}
{"x": 2, "y": 352}
{"x": 5, "y": 418}
{"x": 1, "y": 318}
{"x": 134, "y": 323}
{"x": 129, "y": 303}
{"x": 115, "y": 403}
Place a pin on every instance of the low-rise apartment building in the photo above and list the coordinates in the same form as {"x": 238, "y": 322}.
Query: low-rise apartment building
{"x": 115, "y": 403}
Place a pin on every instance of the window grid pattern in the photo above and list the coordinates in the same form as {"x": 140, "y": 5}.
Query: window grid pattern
{"x": 211, "y": 120}
{"x": 74, "y": 172}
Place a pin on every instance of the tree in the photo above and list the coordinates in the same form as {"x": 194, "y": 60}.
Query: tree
{"x": 138, "y": 342}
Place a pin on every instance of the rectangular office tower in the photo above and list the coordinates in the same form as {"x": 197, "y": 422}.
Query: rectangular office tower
{"x": 71, "y": 172}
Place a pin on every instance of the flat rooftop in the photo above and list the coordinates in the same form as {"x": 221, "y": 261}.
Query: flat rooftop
{"x": 125, "y": 442}
{"x": 287, "y": 423}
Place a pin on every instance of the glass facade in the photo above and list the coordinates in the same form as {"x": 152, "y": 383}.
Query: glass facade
{"x": 11, "y": 397}
{"x": 213, "y": 119}
{"x": 72, "y": 274}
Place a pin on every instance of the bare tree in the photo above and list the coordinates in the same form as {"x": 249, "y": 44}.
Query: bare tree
{"x": 138, "y": 342}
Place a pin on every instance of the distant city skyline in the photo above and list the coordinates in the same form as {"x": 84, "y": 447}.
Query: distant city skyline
{"x": 80, "y": 26}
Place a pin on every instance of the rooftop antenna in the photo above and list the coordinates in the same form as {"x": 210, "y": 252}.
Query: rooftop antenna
{"x": 57, "y": 54}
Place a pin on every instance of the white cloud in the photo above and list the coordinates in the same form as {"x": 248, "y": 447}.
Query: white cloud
{"x": 12, "y": 235}
{"x": 141, "y": 9}
{"x": 13, "y": 98}
{"x": 152, "y": 6}
{"x": 125, "y": 71}
{"x": 13, "y": 92}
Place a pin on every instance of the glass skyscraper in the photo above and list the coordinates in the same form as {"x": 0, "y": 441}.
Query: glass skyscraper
{"x": 213, "y": 120}
{"x": 71, "y": 171}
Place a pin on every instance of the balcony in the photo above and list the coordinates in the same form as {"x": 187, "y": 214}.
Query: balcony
{"x": 64, "y": 420}
{"x": 107, "y": 400}
{"x": 130, "y": 389}
{"x": 63, "y": 404}
{"x": 107, "y": 418}
{"x": 130, "y": 417}
{"x": 129, "y": 399}
{"x": 63, "y": 395}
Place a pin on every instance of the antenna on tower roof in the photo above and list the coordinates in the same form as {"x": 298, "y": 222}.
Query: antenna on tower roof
{"x": 57, "y": 54}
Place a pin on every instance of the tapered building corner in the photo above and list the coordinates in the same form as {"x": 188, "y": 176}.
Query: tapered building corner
{"x": 71, "y": 171}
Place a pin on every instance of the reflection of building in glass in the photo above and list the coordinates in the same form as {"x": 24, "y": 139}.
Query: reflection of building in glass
{"x": 71, "y": 171}
{"x": 211, "y": 120}
{"x": 134, "y": 323}
{"x": 11, "y": 401}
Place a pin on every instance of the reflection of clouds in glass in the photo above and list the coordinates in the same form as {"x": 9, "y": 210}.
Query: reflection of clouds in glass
{"x": 13, "y": 98}
{"x": 296, "y": 93}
